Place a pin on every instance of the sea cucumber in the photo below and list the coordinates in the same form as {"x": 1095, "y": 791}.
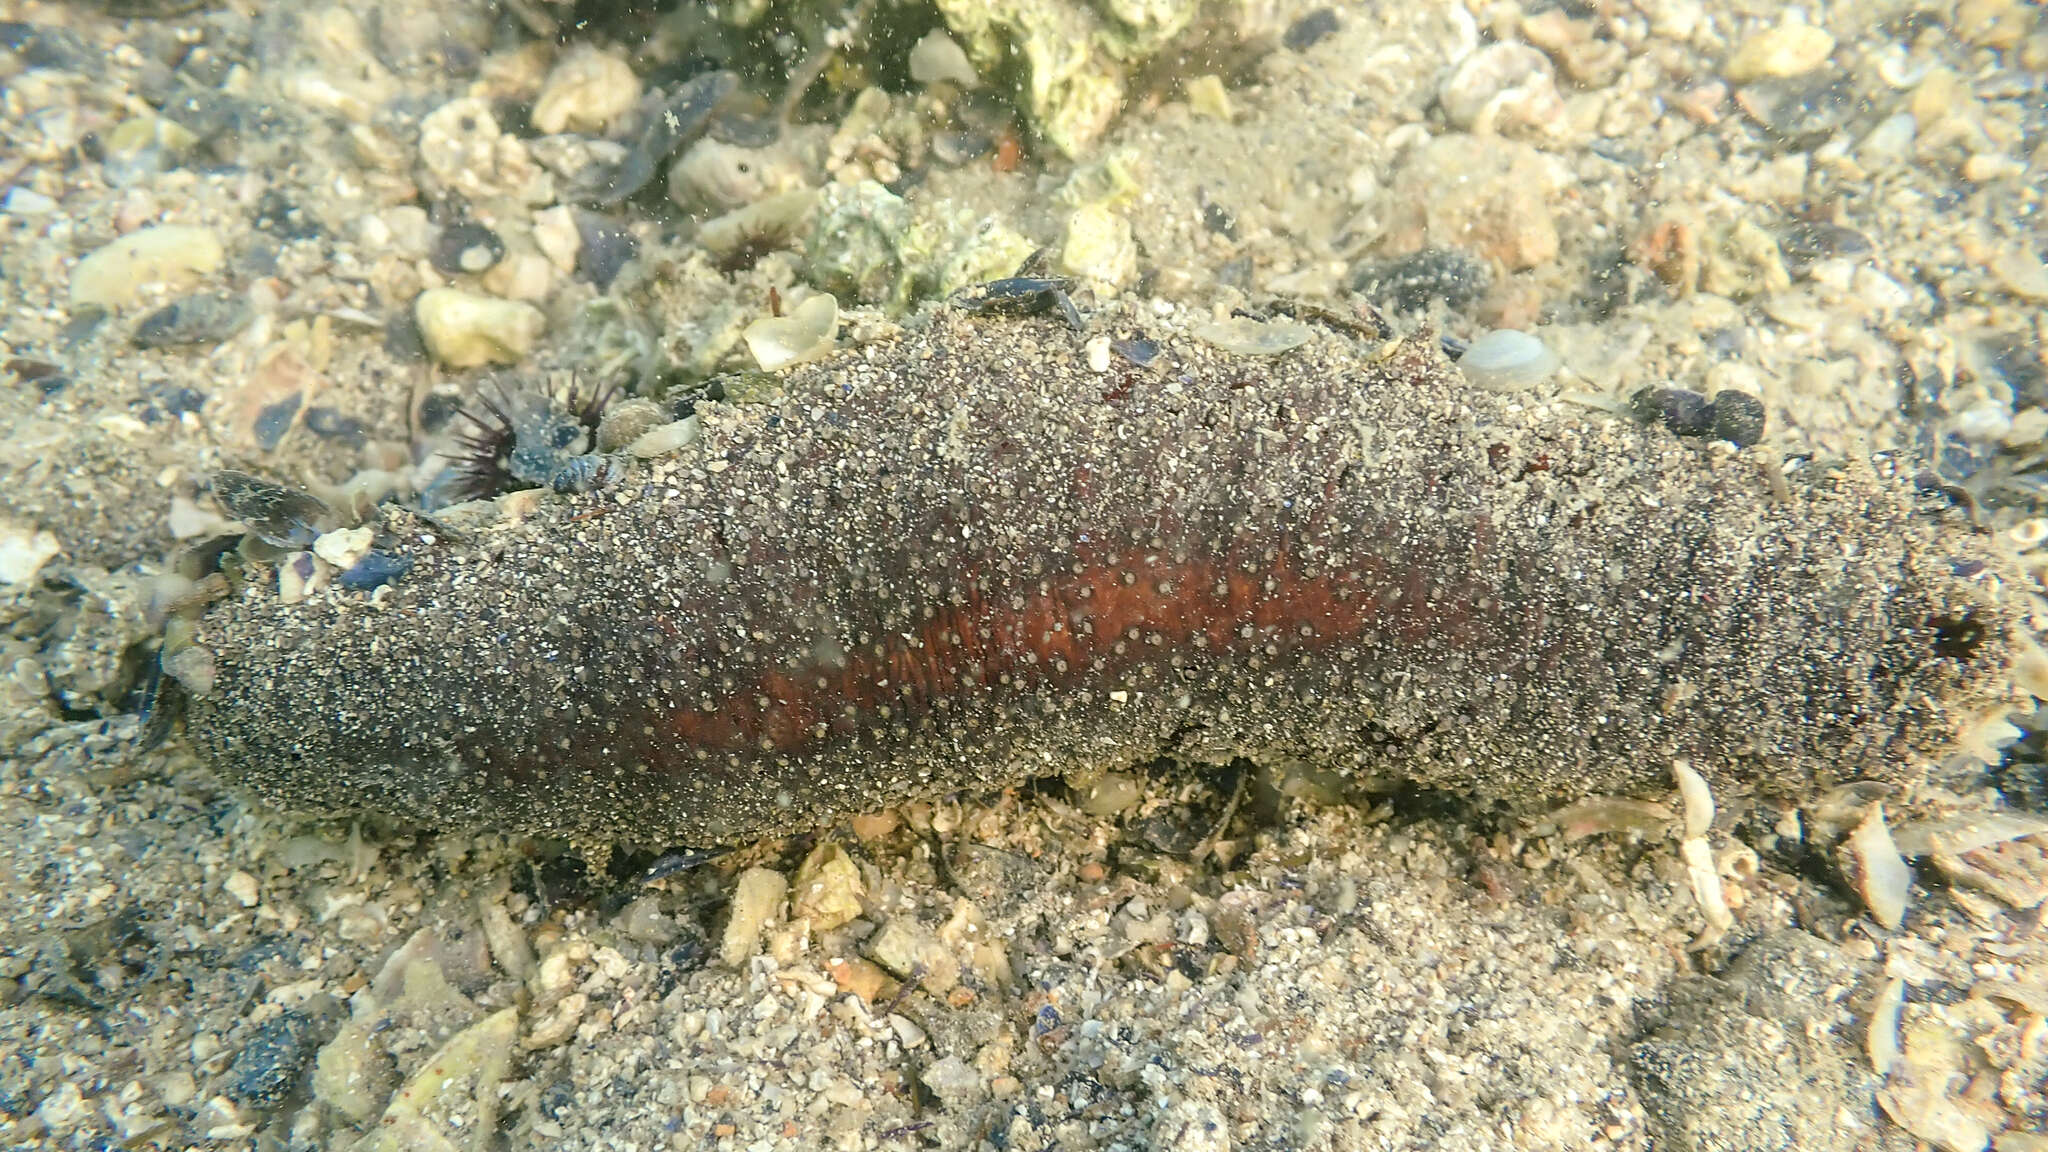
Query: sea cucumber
{"x": 962, "y": 558}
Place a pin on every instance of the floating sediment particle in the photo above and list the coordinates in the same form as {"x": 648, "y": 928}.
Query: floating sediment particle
{"x": 954, "y": 560}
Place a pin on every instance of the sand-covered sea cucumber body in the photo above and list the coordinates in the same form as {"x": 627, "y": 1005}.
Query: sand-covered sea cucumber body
{"x": 963, "y": 558}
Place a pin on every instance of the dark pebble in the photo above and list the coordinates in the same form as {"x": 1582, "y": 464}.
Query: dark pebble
{"x": 744, "y": 129}
{"x": 514, "y": 116}
{"x": 27, "y": 368}
{"x": 275, "y": 420}
{"x": 329, "y": 424}
{"x": 1806, "y": 243}
{"x": 169, "y": 402}
{"x": 607, "y": 248}
{"x": 1607, "y": 282}
{"x": 402, "y": 339}
{"x": 277, "y": 215}
{"x": 208, "y": 318}
{"x": 285, "y": 517}
{"x": 1680, "y": 410}
{"x": 375, "y": 570}
{"x": 557, "y": 1101}
{"x": 2018, "y": 359}
{"x": 466, "y": 247}
{"x": 85, "y": 321}
{"x": 257, "y": 260}
{"x": 1738, "y": 418}
{"x": 1409, "y": 284}
{"x": 1139, "y": 350}
{"x": 47, "y": 46}
{"x": 439, "y": 408}
{"x": 1310, "y": 30}
{"x": 1803, "y": 111}
{"x": 956, "y": 148}
{"x": 1218, "y": 219}
{"x": 669, "y": 126}
{"x": 222, "y": 122}
{"x": 268, "y": 1068}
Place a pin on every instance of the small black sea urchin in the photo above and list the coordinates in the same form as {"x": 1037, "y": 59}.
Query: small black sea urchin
{"x": 520, "y": 437}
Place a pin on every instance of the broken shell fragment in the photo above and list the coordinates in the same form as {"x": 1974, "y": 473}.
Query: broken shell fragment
{"x": 1505, "y": 359}
{"x": 1873, "y": 866}
{"x": 1248, "y": 337}
{"x": 805, "y": 334}
{"x": 1698, "y": 799}
{"x": 1883, "y": 1037}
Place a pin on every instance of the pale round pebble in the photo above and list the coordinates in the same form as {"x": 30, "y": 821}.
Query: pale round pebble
{"x": 1098, "y": 354}
{"x": 242, "y": 887}
{"x": 466, "y": 330}
{"x": 1507, "y": 87}
{"x": 1872, "y": 862}
{"x": 170, "y": 255}
{"x": 1889, "y": 143}
{"x": 588, "y": 90}
{"x": 1505, "y": 358}
{"x": 24, "y": 549}
{"x": 829, "y": 890}
{"x": 192, "y": 666}
{"x": 555, "y": 234}
{"x": 27, "y": 202}
{"x": 627, "y": 420}
{"x": 756, "y": 903}
{"x": 714, "y": 174}
{"x": 936, "y": 59}
{"x": 344, "y": 547}
{"x": 664, "y": 439}
{"x": 1880, "y": 292}
{"x": 1788, "y": 49}
{"x": 2022, "y": 274}
{"x": 951, "y": 1078}
{"x": 1099, "y": 248}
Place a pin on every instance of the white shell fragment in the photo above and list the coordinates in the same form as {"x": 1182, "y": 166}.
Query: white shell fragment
{"x": 1960, "y": 834}
{"x": 1882, "y": 1040}
{"x": 1872, "y": 863}
{"x": 1700, "y": 870}
{"x": 1705, "y": 879}
{"x": 1600, "y": 814}
{"x": 1505, "y": 359}
{"x": 807, "y": 333}
{"x": 1698, "y": 798}
{"x": 1248, "y": 337}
